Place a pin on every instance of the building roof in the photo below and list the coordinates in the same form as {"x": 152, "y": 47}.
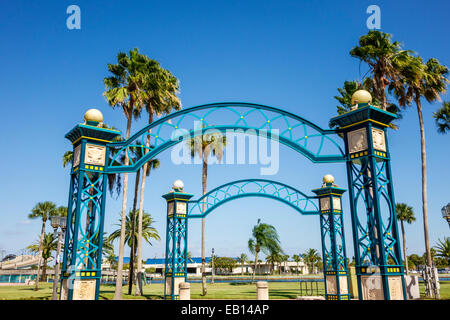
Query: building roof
{"x": 163, "y": 261}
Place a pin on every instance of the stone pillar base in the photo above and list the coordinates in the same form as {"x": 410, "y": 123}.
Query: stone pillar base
{"x": 262, "y": 290}
{"x": 185, "y": 291}
{"x": 83, "y": 289}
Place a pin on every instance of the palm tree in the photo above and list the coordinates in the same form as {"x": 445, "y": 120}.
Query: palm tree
{"x": 273, "y": 258}
{"x": 264, "y": 238}
{"x": 48, "y": 244}
{"x": 189, "y": 257}
{"x": 429, "y": 81}
{"x": 405, "y": 213}
{"x": 160, "y": 97}
{"x": 442, "y": 118}
{"x": 297, "y": 259}
{"x": 443, "y": 249}
{"x": 384, "y": 59}
{"x": 242, "y": 259}
{"x": 149, "y": 232}
{"x": 123, "y": 90}
{"x": 285, "y": 259}
{"x": 61, "y": 211}
{"x": 311, "y": 257}
{"x": 42, "y": 210}
{"x": 108, "y": 247}
{"x": 136, "y": 154}
{"x": 203, "y": 146}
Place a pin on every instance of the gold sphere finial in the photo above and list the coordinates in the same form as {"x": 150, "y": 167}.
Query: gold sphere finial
{"x": 361, "y": 96}
{"x": 328, "y": 178}
{"x": 93, "y": 115}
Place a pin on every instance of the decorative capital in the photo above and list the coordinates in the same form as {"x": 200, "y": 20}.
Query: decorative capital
{"x": 363, "y": 113}
{"x": 99, "y": 135}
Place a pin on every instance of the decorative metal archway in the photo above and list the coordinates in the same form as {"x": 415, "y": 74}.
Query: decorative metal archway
{"x": 180, "y": 209}
{"x": 366, "y": 154}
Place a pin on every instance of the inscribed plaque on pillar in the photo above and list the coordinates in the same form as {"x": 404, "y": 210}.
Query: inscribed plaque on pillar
{"x": 379, "y": 141}
{"x": 372, "y": 287}
{"x": 357, "y": 140}
{"x": 181, "y": 207}
{"x": 325, "y": 203}
{"x": 331, "y": 285}
{"x": 170, "y": 209}
{"x": 395, "y": 287}
{"x": 76, "y": 155}
{"x": 84, "y": 289}
{"x": 168, "y": 286}
{"x": 343, "y": 284}
{"x": 336, "y": 203}
{"x": 95, "y": 155}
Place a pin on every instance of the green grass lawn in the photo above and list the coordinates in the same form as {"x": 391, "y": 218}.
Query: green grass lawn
{"x": 277, "y": 290}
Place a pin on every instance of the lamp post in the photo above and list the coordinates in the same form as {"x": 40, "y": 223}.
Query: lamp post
{"x": 58, "y": 222}
{"x": 446, "y": 213}
{"x": 212, "y": 266}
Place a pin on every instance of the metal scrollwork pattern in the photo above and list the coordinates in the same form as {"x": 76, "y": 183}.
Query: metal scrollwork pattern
{"x": 317, "y": 144}
{"x": 252, "y": 187}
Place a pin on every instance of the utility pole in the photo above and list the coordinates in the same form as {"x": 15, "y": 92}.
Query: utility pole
{"x": 212, "y": 266}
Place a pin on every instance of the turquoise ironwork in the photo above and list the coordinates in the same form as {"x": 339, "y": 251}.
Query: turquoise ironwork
{"x": 315, "y": 143}
{"x": 372, "y": 203}
{"x": 332, "y": 227}
{"x": 82, "y": 256}
{"x": 251, "y": 188}
{"x": 176, "y": 242}
{"x": 375, "y": 234}
{"x": 333, "y": 242}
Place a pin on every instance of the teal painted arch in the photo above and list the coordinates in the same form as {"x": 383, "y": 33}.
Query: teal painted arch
{"x": 284, "y": 193}
{"x": 316, "y": 144}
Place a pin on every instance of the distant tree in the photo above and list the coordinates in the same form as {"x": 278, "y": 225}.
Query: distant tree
{"x": 49, "y": 244}
{"x": 224, "y": 263}
{"x": 42, "y": 210}
{"x": 297, "y": 259}
{"x": 264, "y": 238}
{"x": 242, "y": 260}
{"x": 405, "y": 213}
{"x": 416, "y": 260}
{"x": 311, "y": 257}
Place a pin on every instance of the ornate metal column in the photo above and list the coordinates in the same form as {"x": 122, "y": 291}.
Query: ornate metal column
{"x": 82, "y": 260}
{"x": 335, "y": 269}
{"x": 176, "y": 240}
{"x": 379, "y": 265}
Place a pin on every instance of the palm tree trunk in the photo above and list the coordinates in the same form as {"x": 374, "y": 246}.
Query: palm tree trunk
{"x": 242, "y": 269}
{"x": 255, "y": 266}
{"x": 133, "y": 232}
{"x": 139, "y": 289}
{"x": 404, "y": 247}
{"x": 44, "y": 271}
{"x": 424, "y": 180}
{"x": 204, "y": 180}
{"x": 41, "y": 240}
{"x": 118, "y": 290}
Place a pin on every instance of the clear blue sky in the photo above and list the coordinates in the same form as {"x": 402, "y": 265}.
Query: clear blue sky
{"x": 290, "y": 54}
